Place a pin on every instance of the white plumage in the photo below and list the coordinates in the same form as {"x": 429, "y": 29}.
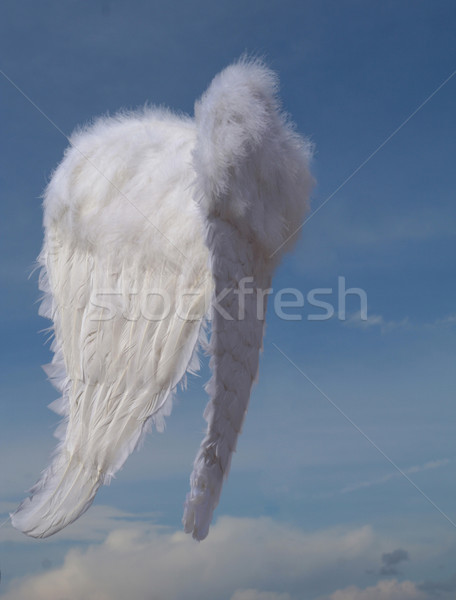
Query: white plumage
{"x": 153, "y": 223}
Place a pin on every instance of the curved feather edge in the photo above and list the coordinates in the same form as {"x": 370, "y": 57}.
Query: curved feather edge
{"x": 50, "y": 506}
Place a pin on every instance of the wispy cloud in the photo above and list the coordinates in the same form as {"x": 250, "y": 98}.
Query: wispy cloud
{"x": 375, "y": 321}
{"x": 253, "y": 594}
{"x": 431, "y": 464}
{"x": 384, "y": 590}
{"x": 448, "y": 320}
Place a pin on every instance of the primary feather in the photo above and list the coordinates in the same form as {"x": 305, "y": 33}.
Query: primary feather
{"x": 152, "y": 223}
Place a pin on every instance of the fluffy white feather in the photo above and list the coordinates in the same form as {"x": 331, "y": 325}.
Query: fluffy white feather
{"x": 151, "y": 202}
{"x": 253, "y": 184}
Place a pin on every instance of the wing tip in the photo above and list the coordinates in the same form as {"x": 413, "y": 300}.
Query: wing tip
{"x": 206, "y": 486}
{"x": 64, "y": 493}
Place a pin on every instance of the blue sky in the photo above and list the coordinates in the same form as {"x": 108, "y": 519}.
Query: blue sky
{"x": 308, "y": 492}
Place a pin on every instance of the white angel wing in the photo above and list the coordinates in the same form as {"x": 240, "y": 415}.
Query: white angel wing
{"x": 216, "y": 202}
{"x": 127, "y": 287}
{"x": 254, "y": 184}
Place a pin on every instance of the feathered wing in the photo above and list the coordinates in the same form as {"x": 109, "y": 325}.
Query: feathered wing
{"x": 126, "y": 282}
{"x": 145, "y": 218}
{"x": 253, "y": 185}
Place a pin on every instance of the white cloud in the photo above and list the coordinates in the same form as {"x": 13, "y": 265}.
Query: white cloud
{"x": 379, "y": 321}
{"x": 385, "y": 326}
{"x": 448, "y": 320}
{"x": 243, "y": 559}
{"x": 258, "y": 595}
{"x": 429, "y": 465}
{"x": 389, "y": 589}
